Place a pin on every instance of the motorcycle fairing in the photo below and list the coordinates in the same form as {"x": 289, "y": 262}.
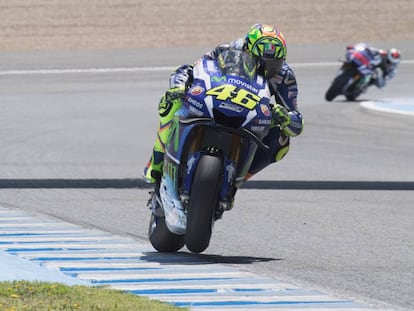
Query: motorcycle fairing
{"x": 175, "y": 217}
{"x": 241, "y": 97}
{"x": 357, "y": 81}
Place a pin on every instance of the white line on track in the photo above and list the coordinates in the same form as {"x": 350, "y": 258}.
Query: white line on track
{"x": 142, "y": 69}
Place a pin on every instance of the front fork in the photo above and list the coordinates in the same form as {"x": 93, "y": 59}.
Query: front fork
{"x": 228, "y": 188}
{"x": 154, "y": 203}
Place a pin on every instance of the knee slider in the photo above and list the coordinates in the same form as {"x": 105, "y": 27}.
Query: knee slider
{"x": 281, "y": 153}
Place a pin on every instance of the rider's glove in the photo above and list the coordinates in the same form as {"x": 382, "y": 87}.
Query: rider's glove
{"x": 281, "y": 116}
{"x": 174, "y": 93}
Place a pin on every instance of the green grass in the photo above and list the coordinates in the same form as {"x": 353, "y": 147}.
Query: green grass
{"x": 43, "y": 296}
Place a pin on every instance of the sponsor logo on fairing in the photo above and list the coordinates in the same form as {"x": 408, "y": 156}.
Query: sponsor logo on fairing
{"x": 231, "y": 107}
{"x": 218, "y": 79}
{"x": 196, "y": 90}
{"x": 243, "y": 84}
{"x": 265, "y": 110}
{"x": 194, "y": 102}
{"x": 265, "y": 122}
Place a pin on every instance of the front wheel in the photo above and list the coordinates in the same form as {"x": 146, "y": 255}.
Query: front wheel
{"x": 203, "y": 202}
{"x": 337, "y": 86}
{"x": 161, "y": 238}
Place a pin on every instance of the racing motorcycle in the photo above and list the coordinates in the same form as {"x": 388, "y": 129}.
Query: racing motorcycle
{"x": 212, "y": 142}
{"x": 353, "y": 77}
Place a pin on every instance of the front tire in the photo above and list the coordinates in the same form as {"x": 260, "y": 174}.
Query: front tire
{"x": 337, "y": 86}
{"x": 161, "y": 238}
{"x": 203, "y": 202}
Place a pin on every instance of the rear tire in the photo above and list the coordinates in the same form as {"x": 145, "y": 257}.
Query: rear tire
{"x": 352, "y": 97}
{"x": 161, "y": 238}
{"x": 203, "y": 202}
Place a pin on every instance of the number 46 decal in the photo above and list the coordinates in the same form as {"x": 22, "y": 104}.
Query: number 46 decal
{"x": 236, "y": 95}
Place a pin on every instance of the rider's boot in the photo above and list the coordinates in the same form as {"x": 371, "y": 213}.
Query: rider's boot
{"x": 153, "y": 170}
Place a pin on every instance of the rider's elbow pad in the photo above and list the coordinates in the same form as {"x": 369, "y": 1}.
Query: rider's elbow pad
{"x": 295, "y": 126}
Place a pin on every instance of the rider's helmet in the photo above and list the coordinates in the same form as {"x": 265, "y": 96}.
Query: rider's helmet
{"x": 267, "y": 43}
{"x": 391, "y": 59}
{"x": 393, "y": 56}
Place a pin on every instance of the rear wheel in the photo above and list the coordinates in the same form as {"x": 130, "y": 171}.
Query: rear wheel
{"x": 161, "y": 238}
{"x": 203, "y": 202}
{"x": 352, "y": 97}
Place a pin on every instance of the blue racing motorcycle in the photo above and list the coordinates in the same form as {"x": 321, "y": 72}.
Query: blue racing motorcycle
{"x": 213, "y": 139}
{"x": 353, "y": 77}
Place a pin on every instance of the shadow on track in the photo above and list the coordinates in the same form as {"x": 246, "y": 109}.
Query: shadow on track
{"x": 181, "y": 258}
{"x": 329, "y": 185}
{"x": 236, "y": 259}
{"x": 130, "y": 183}
{"x": 62, "y": 183}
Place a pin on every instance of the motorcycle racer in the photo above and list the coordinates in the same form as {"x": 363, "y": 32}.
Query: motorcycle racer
{"x": 379, "y": 63}
{"x": 267, "y": 44}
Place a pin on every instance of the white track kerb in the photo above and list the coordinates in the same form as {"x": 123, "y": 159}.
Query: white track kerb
{"x": 397, "y": 105}
{"x": 39, "y": 248}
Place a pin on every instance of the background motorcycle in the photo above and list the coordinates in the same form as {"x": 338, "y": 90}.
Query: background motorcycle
{"x": 353, "y": 78}
{"x": 212, "y": 143}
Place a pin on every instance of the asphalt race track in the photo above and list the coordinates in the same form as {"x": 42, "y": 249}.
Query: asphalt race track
{"x": 335, "y": 215}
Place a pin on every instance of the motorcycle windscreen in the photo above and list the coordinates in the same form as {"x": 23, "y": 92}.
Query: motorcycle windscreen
{"x": 238, "y": 63}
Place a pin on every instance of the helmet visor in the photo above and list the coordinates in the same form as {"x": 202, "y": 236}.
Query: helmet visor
{"x": 272, "y": 66}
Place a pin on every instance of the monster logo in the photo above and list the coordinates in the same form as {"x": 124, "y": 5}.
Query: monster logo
{"x": 170, "y": 169}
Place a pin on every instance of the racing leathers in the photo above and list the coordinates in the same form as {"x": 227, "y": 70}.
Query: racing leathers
{"x": 288, "y": 121}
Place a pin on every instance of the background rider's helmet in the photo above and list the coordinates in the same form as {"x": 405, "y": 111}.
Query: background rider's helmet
{"x": 267, "y": 43}
{"x": 393, "y": 56}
